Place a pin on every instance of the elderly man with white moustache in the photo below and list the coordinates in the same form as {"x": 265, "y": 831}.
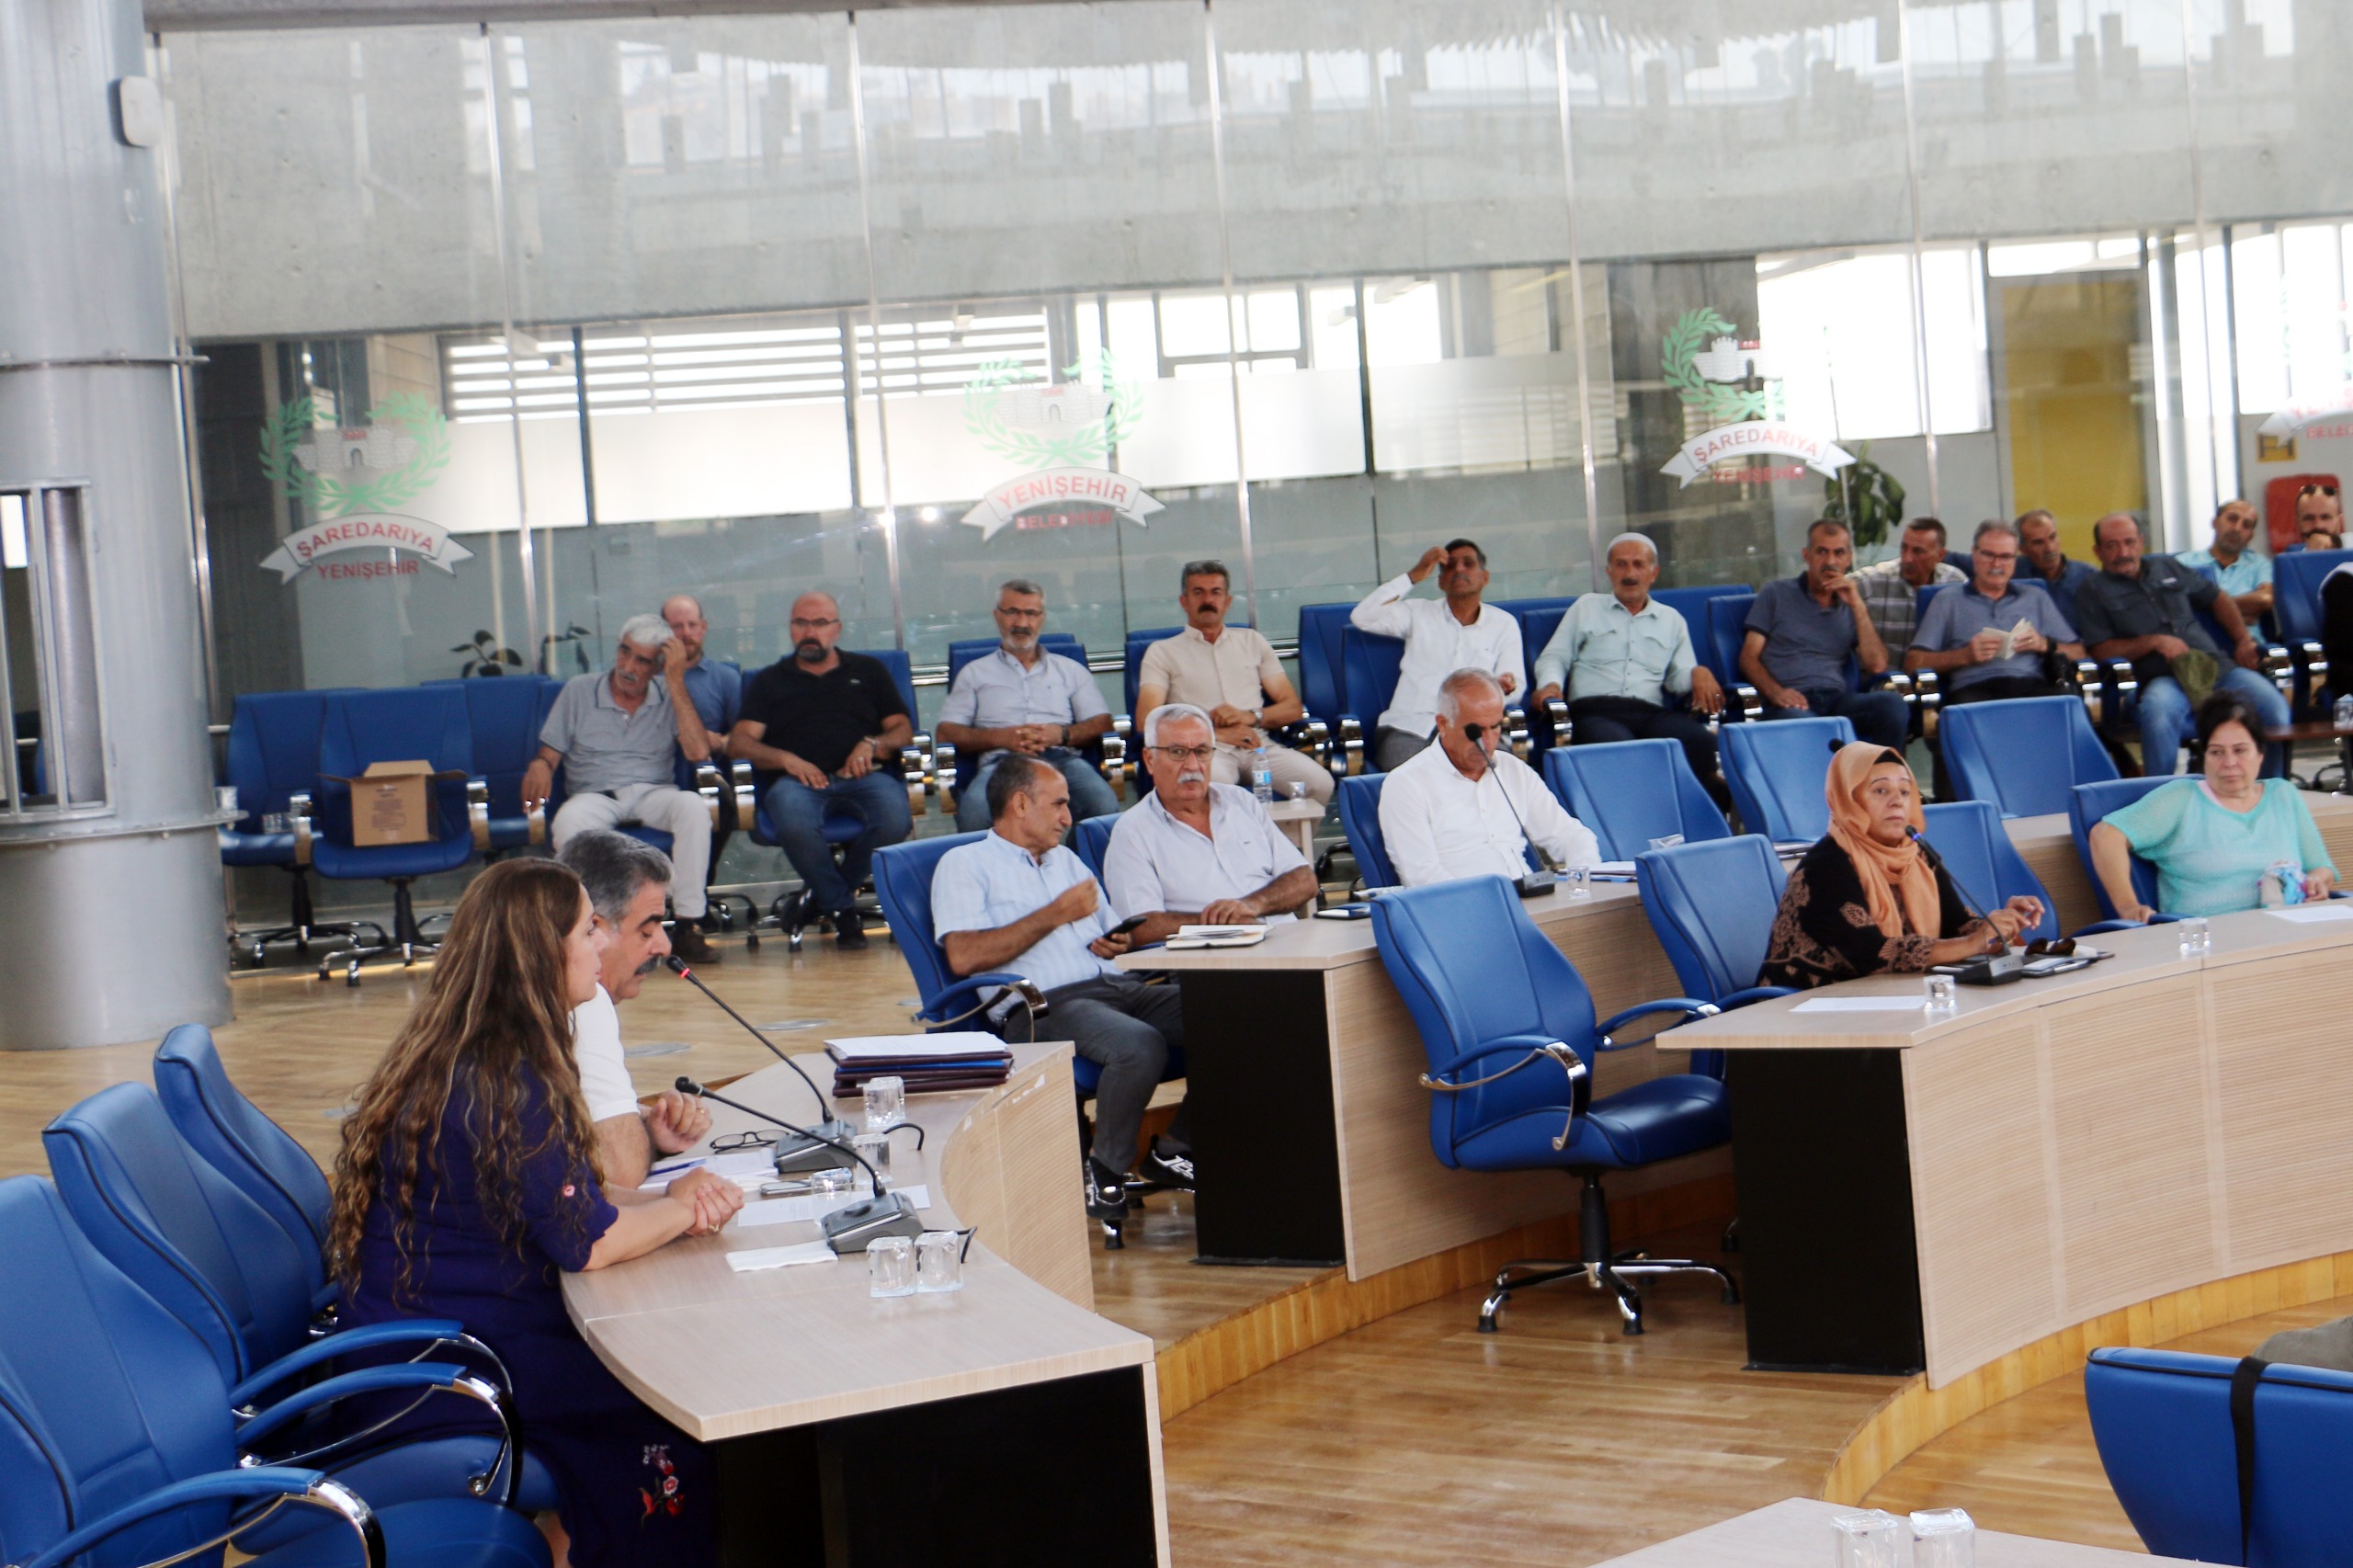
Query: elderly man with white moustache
{"x": 1464, "y": 809}
{"x": 1196, "y": 852}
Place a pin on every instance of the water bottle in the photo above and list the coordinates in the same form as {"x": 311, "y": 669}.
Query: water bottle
{"x": 2343, "y": 715}
{"x": 1262, "y": 777}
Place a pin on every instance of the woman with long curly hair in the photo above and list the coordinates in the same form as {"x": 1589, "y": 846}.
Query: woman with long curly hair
{"x": 467, "y": 1183}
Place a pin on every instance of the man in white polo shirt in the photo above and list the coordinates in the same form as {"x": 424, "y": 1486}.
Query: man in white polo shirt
{"x": 1463, "y": 809}
{"x": 1455, "y": 633}
{"x": 1194, "y": 852}
{"x": 627, "y": 881}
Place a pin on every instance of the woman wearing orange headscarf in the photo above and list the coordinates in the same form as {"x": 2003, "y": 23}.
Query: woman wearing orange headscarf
{"x": 1864, "y": 900}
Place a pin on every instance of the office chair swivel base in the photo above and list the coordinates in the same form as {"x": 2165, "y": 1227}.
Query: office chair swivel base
{"x": 1600, "y": 1266}
{"x": 407, "y": 942}
{"x": 302, "y": 928}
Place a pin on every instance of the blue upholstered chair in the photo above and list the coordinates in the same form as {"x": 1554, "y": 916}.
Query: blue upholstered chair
{"x": 1091, "y": 840}
{"x": 902, "y": 874}
{"x": 1323, "y": 683}
{"x": 1359, "y": 800}
{"x": 229, "y": 1133}
{"x": 2089, "y": 803}
{"x": 2025, "y": 755}
{"x": 119, "y": 1444}
{"x": 1985, "y": 864}
{"x": 273, "y": 762}
{"x": 2165, "y": 1424}
{"x": 1780, "y": 773}
{"x": 1508, "y": 1025}
{"x": 1538, "y": 618}
{"x": 2296, "y": 578}
{"x": 1712, "y": 905}
{"x": 503, "y": 717}
{"x": 1691, "y": 603}
{"x": 218, "y": 1262}
{"x": 427, "y": 723}
{"x": 1631, "y": 792}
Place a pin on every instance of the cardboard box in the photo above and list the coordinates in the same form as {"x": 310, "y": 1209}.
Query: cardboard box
{"x": 392, "y": 803}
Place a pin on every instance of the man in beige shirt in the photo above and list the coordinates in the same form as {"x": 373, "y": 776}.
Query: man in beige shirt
{"x": 1232, "y": 674}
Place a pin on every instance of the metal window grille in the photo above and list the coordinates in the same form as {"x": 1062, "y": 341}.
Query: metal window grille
{"x": 56, "y": 765}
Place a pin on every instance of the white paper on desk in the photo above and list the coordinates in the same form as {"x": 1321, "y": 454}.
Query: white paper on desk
{"x": 1859, "y": 1005}
{"x": 2336, "y": 909}
{"x": 739, "y": 1166}
{"x": 815, "y": 1206}
{"x": 1611, "y": 869}
{"x": 955, "y": 1043}
{"x": 754, "y": 1258}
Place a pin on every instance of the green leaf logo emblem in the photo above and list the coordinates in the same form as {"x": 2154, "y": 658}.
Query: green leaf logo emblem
{"x": 375, "y": 467}
{"x": 1067, "y": 424}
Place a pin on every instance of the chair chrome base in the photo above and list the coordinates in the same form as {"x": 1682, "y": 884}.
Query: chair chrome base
{"x": 407, "y": 942}
{"x": 303, "y": 928}
{"x": 1600, "y": 1266}
{"x": 790, "y": 913}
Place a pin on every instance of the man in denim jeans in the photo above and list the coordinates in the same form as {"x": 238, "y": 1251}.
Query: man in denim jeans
{"x": 820, "y": 729}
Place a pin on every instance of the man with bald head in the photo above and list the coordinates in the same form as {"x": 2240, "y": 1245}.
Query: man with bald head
{"x": 2143, "y": 609}
{"x": 819, "y": 728}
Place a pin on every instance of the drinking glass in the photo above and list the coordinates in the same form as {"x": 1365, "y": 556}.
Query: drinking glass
{"x": 1941, "y": 996}
{"x": 1944, "y": 1538}
{"x": 939, "y": 1263}
{"x": 1578, "y": 879}
{"x": 225, "y": 796}
{"x": 1298, "y": 790}
{"x": 886, "y": 1104}
{"x": 876, "y": 1148}
{"x": 831, "y": 1181}
{"x": 2197, "y": 938}
{"x": 891, "y": 1267}
{"x": 1873, "y": 1539}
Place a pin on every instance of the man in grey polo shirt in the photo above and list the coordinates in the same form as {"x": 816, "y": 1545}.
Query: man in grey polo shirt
{"x": 1022, "y": 698}
{"x": 1195, "y": 852}
{"x": 1801, "y": 632}
{"x": 1962, "y": 636}
{"x": 618, "y": 735}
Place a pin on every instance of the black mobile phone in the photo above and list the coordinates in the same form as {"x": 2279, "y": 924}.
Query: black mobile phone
{"x": 1130, "y": 924}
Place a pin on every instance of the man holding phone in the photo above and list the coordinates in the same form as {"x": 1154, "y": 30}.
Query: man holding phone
{"x": 1193, "y": 852}
{"x": 1018, "y": 902}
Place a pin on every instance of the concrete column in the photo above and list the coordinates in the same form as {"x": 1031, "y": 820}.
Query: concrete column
{"x": 111, "y": 920}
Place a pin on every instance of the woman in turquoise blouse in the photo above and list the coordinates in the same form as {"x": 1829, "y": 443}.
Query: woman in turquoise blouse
{"x": 2212, "y": 838}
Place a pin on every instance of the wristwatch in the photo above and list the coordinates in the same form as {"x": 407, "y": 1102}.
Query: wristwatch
{"x": 1258, "y": 717}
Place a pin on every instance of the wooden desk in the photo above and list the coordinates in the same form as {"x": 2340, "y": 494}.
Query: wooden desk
{"x": 1919, "y": 1193}
{"x": 823, "y": 1403}
{"x": 1312, "y": 1131}
{"x": 2048, "y": 847}
{"x": 1795, "y": 1533}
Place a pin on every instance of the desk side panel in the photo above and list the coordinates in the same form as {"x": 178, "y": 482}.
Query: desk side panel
{"x": 2284, "y": 1118}
{"x": 1008, "y": 1170}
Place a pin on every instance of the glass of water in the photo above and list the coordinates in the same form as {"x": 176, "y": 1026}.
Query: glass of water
{"x": 830, "y": 1181}
{"x": 2197, "y": 937}
{"x": 1944, "y": 1538}
{"x": 1941, "y": 996}
{"x": 1578, "y": 881}
{"x": 886, "y": 1104}
{"x": 1873, "y": 1539}
{"x": 891, "y": 1267}
{"x": 939, "y": 1262}
{"x": 876, "y": 1148}
{"x": 1297, "y": 790}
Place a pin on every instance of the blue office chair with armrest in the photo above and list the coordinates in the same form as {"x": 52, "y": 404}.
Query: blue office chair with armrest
{"x": 2169, "y": 1427}
{"x": 2296, "y": 580}
{"x": 504, "y": 716}
{"x": 2089, "y": 803}
{"x": 2024, "y": 754}
{"x": 1507, "y": 1023}
{"x": 1717, "y": 640}
{"x": 1538, "y": 618}
{"x": 1780, "y": 773}
{"x": 902, "y": 874}
{"x": 1323, "y": 683}
{"x": 402, "y": 725}
{"x": 1372, "y": 660}
{"x": 273, "y": 763}
{"x": 1977, "y": 852}
{"x": 1091, "y": 840}
{"x": 1359, "y": 801}
{"x": 219, "y": 1263}
{"x": 229, "y": 1133}
{"x": 119, "y": 1444}
{"x": 1631, "y": 792}
{"x": 1712, "y": 905}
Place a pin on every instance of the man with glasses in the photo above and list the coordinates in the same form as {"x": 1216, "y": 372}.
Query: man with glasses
{"x": 819, "y": 728}
{"x": 1194, "y": 852}
{"x": 1988, "y": 639}
{"x": 618, "y": 735}
{"x": 2320, "y": 516}
{"x": 1017, "y": 901}
{"x": 2040, "y": 555}
{"x": 1022, "y": 698}
{"x": 1442, "y": 635}
{"x": 1231, "y": 673}
{"x": 2232, "y": 562}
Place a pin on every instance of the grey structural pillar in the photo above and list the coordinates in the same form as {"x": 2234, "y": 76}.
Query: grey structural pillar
{"x": 111, "y": 908}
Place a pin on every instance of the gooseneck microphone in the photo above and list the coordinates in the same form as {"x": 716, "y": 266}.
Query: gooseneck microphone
{"x": 1530, "y": 883}
{"x": 801, "y": 1157}
{"x": 848, "y": 1156}
{"x": 1994, "y": 969}
{"x": 847, "y": 1229}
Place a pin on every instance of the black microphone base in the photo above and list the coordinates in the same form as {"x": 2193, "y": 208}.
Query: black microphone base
{"x": 1535, "y": 884}
{"x": 884, "y": 1214}
{"x": 796, "y": 1155}
{"x": 2000, "y": 969}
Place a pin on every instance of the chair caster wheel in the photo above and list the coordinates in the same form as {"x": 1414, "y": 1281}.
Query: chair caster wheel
{"x": 1112, "y": 1241}
{"x": 1729, "y": 1296}
{"x": 751, "y": 941}
{"x": 793, "y": 941}
{"x": 351, "y": 976}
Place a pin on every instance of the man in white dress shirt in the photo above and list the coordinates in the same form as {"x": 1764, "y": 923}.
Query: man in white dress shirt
{"x": 1018, "y": 901}
{"x": 627, "y": 881}
{"x": 1459, "y": 809}
{"x": 1455, "y": 633}
{"x": 1197, "y": 853}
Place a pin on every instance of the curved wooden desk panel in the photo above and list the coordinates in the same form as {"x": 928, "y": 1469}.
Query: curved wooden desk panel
{"x": 2078, "y": 1144}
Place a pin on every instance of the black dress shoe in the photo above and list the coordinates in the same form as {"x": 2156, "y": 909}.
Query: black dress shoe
{"x": 849, "y": 930}
{"x": 688, "y": 942}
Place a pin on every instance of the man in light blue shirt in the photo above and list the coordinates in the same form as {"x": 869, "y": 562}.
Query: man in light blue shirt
{"x": 1017, "y": 901}
{"x": 1621, "y": 655}
{"x": 2233, "y": 563}
{"x": 1022, "y": 698}
{"x": 715, "y": 687}
{"x": 1987, "y": 638}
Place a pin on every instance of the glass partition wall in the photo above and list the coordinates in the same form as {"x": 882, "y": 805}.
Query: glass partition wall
{"x": 513, "y": 330}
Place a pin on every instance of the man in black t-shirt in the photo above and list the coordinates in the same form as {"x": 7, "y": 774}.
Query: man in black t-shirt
{"x": 816, "y": 728}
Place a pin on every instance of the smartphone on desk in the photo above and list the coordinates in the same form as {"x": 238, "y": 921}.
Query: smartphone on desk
{"x": 1344, "y": 912}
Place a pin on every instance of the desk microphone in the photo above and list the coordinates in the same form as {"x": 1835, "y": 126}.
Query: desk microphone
{"x": 1996, "y": 969}
{"x": 1527, "y": 884}
{"x": 848, "y": 1229}
{"x": 807, "y": 1156}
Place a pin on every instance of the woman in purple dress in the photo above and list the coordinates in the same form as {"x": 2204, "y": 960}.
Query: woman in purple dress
{"x": 467, "y": 1183}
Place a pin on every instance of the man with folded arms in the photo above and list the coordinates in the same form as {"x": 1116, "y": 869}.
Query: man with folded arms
{"x": 1197, "y": 853}
{"x": 1017, "y": 901}
{"x": 1454, "y": 632}
{"x": 1463, "y": 809}
{"x": 1022, "y": 698}
{"x": 2233, "y": 563}
{"x": 1961, "y": 636}
{"x": 1231, "y": 673}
